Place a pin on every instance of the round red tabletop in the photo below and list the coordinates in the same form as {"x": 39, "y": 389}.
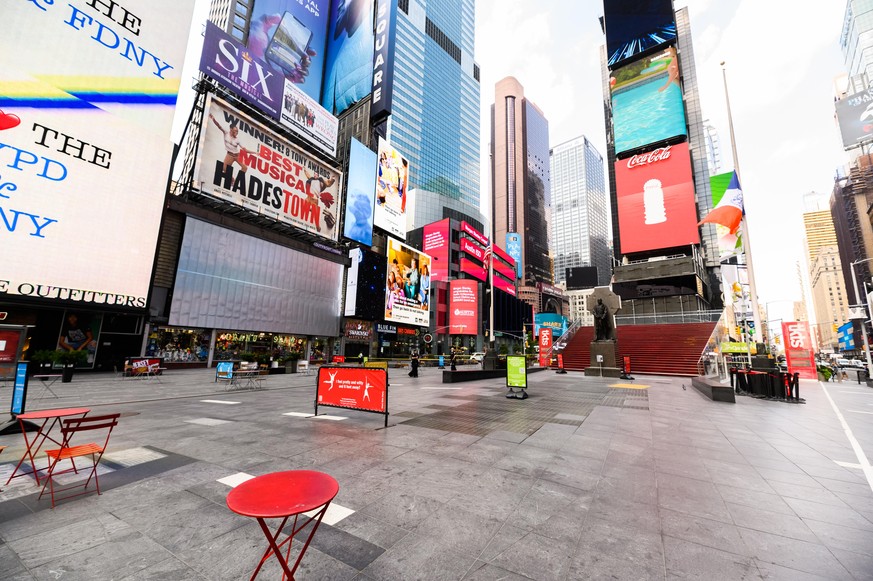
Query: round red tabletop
{"x": 55, "y": 413}
{"x": 282, "y": 494}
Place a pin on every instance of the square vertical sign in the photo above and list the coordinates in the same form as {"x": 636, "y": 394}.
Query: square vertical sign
{"x": 516, "y": 371}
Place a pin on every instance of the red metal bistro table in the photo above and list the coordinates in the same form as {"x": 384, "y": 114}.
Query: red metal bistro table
{"x": 33, "y": 445}
{"x": 283, "y": 495}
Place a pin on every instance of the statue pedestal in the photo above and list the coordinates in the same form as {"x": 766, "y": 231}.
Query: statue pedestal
{"x": 604, "y": 365}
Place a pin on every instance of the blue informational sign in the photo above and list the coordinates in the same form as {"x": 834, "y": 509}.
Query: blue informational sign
{"x": 225, "y": 367}
{"x": 846, "y": 336}
{"x": 557, "y": 323}
{"x": 513, "y": 248}
{"x": 19, "y": 390}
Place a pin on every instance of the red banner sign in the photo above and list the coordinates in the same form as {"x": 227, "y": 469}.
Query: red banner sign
{"x": 464, "y": 307}
{"x": 507, "y": 271}
{"x": 9, "y": 346}
{"x": 436, "y": 244}
{"x": 472, "y": 249}
{"x": 504, "y": 286}
{"x": 353, "y": 387}
{"x": 545, "y": 342}
{"x": 798, "y": 349}
{"x": 141, "y": 366}
{"x": 478, "y": 236}
{"x": 473, "y": 269}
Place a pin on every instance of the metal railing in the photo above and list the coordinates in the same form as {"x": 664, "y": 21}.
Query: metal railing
{"x": 668, "y": 318}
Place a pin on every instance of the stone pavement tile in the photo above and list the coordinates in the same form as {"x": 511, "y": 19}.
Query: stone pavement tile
{"x": 358, "y": 492}
{"x": 417, "y": 557}
{"x": 550, "y": 436}
{"x": 606, "y": 551}
{"x": 863, "y": 504}
{"x": 687, "y": 466}
{"x": 817, "y": 494}
{"x": 748, "y": 480}
{"x": 778, "y": 477}
{"x": 513, "y": 437}
{"x": 537, "y": 557}
{"x": 620, "y": 512}
{"x": 169, "y": 568}
{"x": 18, "y": 522}
{"x": 586, "y": 446}
{"x": 10, "y": 564}
{"x": 710, "y": 533}
{"x": 644, "y": 491}
{"x": 504, "y": 538}
{"x": 793, "y": 554}
{"x": 760, "y": 500}
{"x": 404, "y": 508}
{"x": 839, "y": 486}
{"x": 838, "y": 515}
{"x": 486, "y": 452}
{"x": 686, "y": 560}
{"x": 690, "y": 496}
{"x": 496, "y": 493}
{"x": 773, "y": 572}
{"x": 633, "y": 459}
{"x": 526, "y": 460}
{"x": 458, "y": 530}
{"x": 771, "y": 522}
{"x": 122, "y": 556}
{"x": 840, "y": 537}
{"x": 485, "y": 572}
{"x": 578, "y": 474}
{"x": 341, "y": 545}
{"x": 859, "y": 565}
{"x": 372, "y": 530}
{"x": 624, "y": 472}
{"x": 552, "y": 510}
{"x": 836, "y": 472}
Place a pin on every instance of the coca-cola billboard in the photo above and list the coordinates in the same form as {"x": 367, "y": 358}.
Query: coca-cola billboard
{"x": 656, "y": 205}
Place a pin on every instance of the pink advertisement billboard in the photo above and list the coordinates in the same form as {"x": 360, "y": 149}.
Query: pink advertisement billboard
{"x": 473, "y": 269}
{"x": 506, "y": 271}
{"x": 475, "y": 234}
{"x": 656, "y": 206}
{"x": 473, "y": 249}
{"x": 437, "y": 238}
{"x": 503, "y": 285}
{"x": 798, "y": 349}
{"x": 464, "y": 307}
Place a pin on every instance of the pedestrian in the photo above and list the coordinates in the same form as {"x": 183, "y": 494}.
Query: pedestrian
{"x": 452, "y": 360}
{"x": 413, "y": 364}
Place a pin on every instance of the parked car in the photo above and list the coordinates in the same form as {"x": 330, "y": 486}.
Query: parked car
{"x": 858, "y": 363}
{"x": 477, "y": 357}
{"x": 844, "y": 363}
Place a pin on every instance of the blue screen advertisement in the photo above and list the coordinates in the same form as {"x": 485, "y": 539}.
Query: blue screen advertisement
{"x": 647, "y": 104}
{"x": 360, "y": 194}
{"x": 290, "y": 36}
{"x": 348, "y": 68}
{"x": 19, "y": 390}
{"x": 513, "y": 248}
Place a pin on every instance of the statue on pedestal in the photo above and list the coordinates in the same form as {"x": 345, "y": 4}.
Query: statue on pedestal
{"x": 601, "y": 322}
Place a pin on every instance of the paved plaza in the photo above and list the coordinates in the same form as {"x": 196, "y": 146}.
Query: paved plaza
{"x": 587, "y": 479}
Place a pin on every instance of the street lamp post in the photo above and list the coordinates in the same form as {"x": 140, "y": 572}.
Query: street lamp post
{"x": 863, "y": 323}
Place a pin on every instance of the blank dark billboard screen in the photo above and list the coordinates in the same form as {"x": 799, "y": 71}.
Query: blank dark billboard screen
{"x": 372, "y": 270}
{"x": 579, "y": 277}
{"x": 636, "y": 26}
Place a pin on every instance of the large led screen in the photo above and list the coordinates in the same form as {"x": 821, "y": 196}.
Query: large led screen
{"x": 245, "y": 163}
{"x": 392, "y": 191}
{"x": 464, "y": 307}
{"x": 656, "y": 207}
{"x": 407, "y": 286}
{"x": 647, "y": 101}
{"x": 290, "y": 36}
{"x": 437, "y": 244}
{"x": 855, "y": 114}
{"x": 86, "y": 106}
{"x": 635, "y": 26}
{"x": 348, "y": 68}
{"x": 358, "y": 225}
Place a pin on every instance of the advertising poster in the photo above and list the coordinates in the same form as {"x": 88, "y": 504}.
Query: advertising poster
{"x": 505, "y": 270}
{"x": 355, "y": 258}
{"x": 544, "y": 340}
{"x": 19, "y": 390}
{"x": 304, "y": 116}
{"x": 557, "y": 323}
{"x": 799, "y": 352}
{"x": 437, "y": 242}
{"x": 407, "y": 288}
{"x": 513, "y": 248}
{"x": 85, "y": 115}
{"x": 290, "y": 36}
{"x": 348, "y": 68}
{"x": 846, "y": 337}
{"x": 728, "y": 244}
{"x": 358, "y": 331}
{"x": 472, "y": 249}
{"x": 80, "y": 331}
{"x": 245, "y": 163}
{"x": 855, "y": 115}
{"x": 353, "y": 387}
{"x": 146, "y": 366}
{"x": 391, "y": 191}
{"x": 647, "y": 101}
{"x": 464, "y": 307}
{"x": 656, "y": 205}
{"x": 360, "y": 204}
{"x": 474, "y": 269}
{"x": 504, "y": 285}
{"x": 516, "y": 371}
{"x": 467, "y": 229}
{"x": 9, "y": 345}
{"x": 635, "y": 26}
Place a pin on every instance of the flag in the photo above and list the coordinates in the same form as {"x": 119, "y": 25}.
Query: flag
{"x": 729, "y": 210}
{"x": 487, "y": 257}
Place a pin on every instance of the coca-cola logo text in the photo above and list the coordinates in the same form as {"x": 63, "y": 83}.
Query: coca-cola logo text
{"x": 653, "y": 156}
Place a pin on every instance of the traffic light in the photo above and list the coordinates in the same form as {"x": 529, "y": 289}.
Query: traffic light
{"x": 834, "y": 326}
{"x": 778, "y": 340}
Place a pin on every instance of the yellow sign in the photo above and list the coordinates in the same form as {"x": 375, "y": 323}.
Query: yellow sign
{"x": 737, "y": 347}
{"x": 376, "y": 365}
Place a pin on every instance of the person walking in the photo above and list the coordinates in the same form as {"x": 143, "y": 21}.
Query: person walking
{"x": 452, "y": 360}
{"x": 413, "y": 364}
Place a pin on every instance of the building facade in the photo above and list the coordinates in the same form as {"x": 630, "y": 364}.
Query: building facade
{"x": 521, "y": 184}
{"x": 580, "y": 210}
{"x": 856, "y": 41}
{"x": 829, "y": 300}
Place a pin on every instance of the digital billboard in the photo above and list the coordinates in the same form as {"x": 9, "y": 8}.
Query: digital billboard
{"x": 513, "y": 249}
{"x": 464, "y": 307}
{"x": 504, "y": 285}
{"x": 348, "y": 68}
{"x": 656, "y": 205}
{"x": 407, "y": 285}
{"x": 365, "y": 284}
{"x": 647, "y": 104}
{"x": 290, "y": 36}
{"x": 475, "y": 270}
{"x": 544, "y": 340}
{"x": 86, "y": 110}
{"x": 243, "y": 162}
{"x": 391, "y": 191}
{"x": 472, "y": 249}
{"x": 557, "y": 323}
{"x": 635, "y": 26}
{"x": 855, "y": 115}
{"x": 360, "y": 205}
{"x": 383, "y": 59}
{"x": 437, "y": 243}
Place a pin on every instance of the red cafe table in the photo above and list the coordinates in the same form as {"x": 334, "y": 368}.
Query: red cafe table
{"x": 33, "y": 445}
{"x": 283, "y": 495}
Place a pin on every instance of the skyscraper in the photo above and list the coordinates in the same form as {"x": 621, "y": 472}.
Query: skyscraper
{"x": 521, "y": 185}
{"x": 825, "y": 275}
{"x": 856, "y": 41}
{"x": 580, "y": 210}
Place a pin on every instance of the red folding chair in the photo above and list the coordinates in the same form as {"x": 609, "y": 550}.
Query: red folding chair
{"x": 68, "y": 451}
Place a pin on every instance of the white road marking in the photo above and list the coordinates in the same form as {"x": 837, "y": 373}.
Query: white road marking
{"x": 441, "y": 388}
{"x": 221, "y": 401}
{"x": 298, "y": 415}
{"x": 849, "y": 465}
{"x": 326, "y": 417}
{"x": 859, "y": 452}
{"x": 207, "y": 421}
{"x": 235, "y": 480}
{"x": 859, "y": 412}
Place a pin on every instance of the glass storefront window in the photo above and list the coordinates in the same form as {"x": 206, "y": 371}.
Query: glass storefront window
{"x": 178, "y": 345}
{"x": 229, "y": 345}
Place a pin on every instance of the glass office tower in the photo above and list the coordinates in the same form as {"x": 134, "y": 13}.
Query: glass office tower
{"x": 580, "y": 210}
